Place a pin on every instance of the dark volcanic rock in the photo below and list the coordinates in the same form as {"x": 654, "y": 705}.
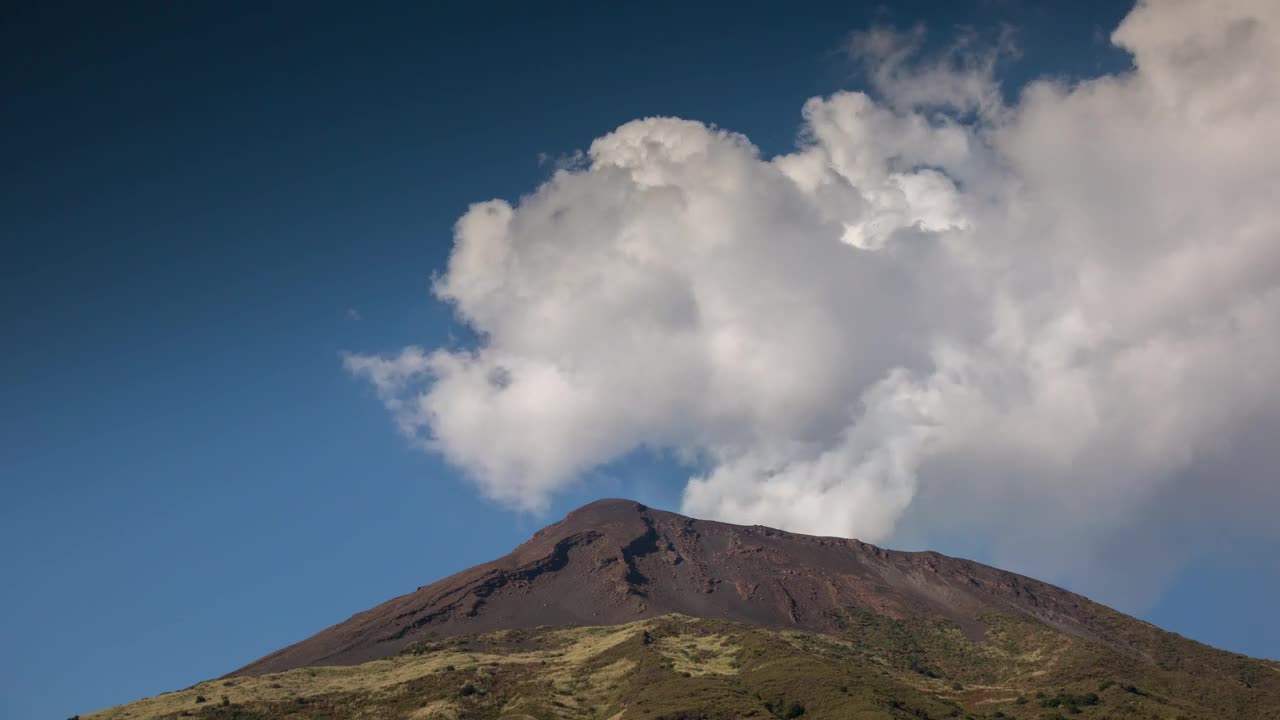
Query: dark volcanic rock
{"x": 615, "y": 561}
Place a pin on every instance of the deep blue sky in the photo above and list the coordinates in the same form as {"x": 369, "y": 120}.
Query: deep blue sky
{"x": 194, "y": 199}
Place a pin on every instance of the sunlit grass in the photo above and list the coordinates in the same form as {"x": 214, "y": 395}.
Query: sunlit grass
{"x": 675, "y": 667}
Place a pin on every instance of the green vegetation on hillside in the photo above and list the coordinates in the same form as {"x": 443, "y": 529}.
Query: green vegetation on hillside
{"x": 679, "y": 668}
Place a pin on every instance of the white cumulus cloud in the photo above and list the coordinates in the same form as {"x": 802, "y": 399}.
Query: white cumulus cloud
{"x": 1055, "y": 318}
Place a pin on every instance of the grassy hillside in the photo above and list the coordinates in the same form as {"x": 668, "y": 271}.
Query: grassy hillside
{"x": 676, "y": 668}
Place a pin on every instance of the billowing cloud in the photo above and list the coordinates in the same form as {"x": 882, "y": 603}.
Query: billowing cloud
{"x": 1042, "y": 320}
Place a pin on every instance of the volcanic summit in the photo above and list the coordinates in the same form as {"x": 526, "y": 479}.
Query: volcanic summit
{"x": 615, "y": 561}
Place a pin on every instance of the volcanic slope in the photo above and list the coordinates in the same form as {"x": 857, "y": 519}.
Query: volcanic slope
{"x": 616, "y": 561}
{"x": 621, "y": 611}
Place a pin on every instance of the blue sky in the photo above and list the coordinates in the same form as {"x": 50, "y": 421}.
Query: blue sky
{"x": 203, "y": 208}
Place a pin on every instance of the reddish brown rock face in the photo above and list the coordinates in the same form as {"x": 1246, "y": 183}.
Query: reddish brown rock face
{"x": 615, "y": 561}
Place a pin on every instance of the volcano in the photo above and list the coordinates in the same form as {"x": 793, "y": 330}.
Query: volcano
{"x": 624, "y": 612}
{"x": 615, "y": 561}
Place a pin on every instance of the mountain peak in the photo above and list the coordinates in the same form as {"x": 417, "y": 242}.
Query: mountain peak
{"x": 616, "y": 560}
{"x": 611, "y": 505}
{"x": 626, "y": 611}
{"x": 604, "y": 510}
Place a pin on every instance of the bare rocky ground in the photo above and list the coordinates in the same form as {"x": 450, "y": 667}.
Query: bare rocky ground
{"x": 616, "y": 561}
